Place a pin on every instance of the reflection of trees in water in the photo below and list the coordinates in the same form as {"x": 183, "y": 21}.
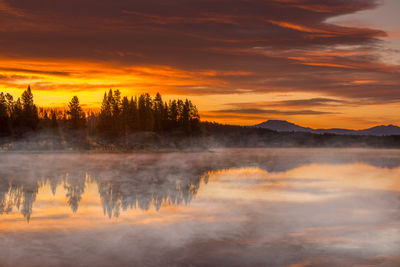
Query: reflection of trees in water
{"x": 145, "y": 185}
{"x": 143, "y": 180}
{"x": 75, "y": 187}
{"x": 20, "y": 196}
{"x": 144, "y": 189}
{"x": 120, "y": 187}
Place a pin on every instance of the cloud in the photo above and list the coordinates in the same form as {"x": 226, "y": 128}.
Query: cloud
{"x": 9, "y": 10}
{"x": 271, "y": 111}
{"x": 32, "y": 71}
{"x": 311, "y": 102}
{"x": 200, "y": 47}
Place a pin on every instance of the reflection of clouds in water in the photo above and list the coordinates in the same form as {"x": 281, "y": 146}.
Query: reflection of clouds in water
{"x": 152, "y": 180}
{"x": 314, "y": 182}
{"x": 340, "y": 213}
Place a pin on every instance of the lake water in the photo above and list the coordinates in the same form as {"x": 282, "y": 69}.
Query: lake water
{"x": 232, "y": 207}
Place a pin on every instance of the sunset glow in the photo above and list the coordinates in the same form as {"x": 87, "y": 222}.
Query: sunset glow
{"x": 240, "y": 62}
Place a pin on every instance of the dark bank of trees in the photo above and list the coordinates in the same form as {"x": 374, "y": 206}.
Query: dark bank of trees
{"x": 144, "y": 122}
{"x": 253, "y": 137}
{"x": 18, "y": 116}
{"x": 119, "y": 118}
{"x": 21, "y": 116}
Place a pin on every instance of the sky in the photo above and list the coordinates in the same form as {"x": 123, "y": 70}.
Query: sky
{"x": 322, "y": 64}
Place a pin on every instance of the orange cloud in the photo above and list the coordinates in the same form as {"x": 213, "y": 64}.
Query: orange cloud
{"x": 62, "y": 79}
{"x": 297, "y": 27}
{"x": 214, "y": 53}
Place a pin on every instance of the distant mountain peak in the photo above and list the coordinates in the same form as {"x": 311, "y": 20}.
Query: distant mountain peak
{"x": 282, "y": 126}
{"x": 276, "y": 122}
{"x": 285, "y": 126}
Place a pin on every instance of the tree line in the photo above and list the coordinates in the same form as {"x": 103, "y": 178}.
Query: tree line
{"x": 118, "y": 116}
{"x": 144, "y": 122}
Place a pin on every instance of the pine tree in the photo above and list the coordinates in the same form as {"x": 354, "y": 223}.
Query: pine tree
{"x": 17, "y": 118}
{"x": 180, "y": 113}
{"x": 150, "y": 113}
{"x": 133, "y": 115}
{"x": 76, "y": 118}
{"x": 194, "y": 119}
{"x": 110, "y": 101}
{"x": 5, "y": 121}
{"x": 173, "y": 114}
{"x": 165, "y": 117}
{"x": 146, "y": 120}
{"x": 185, "y": 116}
{"x": 29, "y": 109}
{"x": 125, "y": 114}
{"x": 105, "y": 116}
{"x": 10, "y": 103}
{"x": 117, "y": 127}
{"x": 158, "y": 112}
{"x": 116, "y": 103}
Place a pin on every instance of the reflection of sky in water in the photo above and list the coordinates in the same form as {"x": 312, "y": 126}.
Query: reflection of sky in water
{"x": 269, "y": 207}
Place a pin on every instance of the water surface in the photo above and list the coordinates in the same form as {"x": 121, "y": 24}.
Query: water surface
{"x": 233, "y": 207}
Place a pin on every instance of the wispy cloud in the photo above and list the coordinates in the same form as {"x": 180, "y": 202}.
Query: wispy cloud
{"x": 200, "y": 48}
{"x": 271, "y": 111}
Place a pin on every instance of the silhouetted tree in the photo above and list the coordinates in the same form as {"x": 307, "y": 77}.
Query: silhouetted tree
{"x": 76, "y": 118}
{"x": 185, "y": 116}
{"x": 134, "y": 115}
{"x": 146, "y": 119}
{"x": 118, "y": 117}
{"x": 158, "y": 113}
{"x": 17, "y": 118}
{"x": 165, "y": 117}
{"x": 125, "y": 114}
{"x": 194, "y": 118}
{"x": 29, "y": 110}
{"x": 104, "y": 125}
{"x": 117, "y": 124}
{"x": 5, "y": 121}
{"x": 173, "y": 114}
{"x": 116, "y": 103}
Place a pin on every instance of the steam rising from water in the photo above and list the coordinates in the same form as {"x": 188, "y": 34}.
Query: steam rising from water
{"x": 274, "y": 207}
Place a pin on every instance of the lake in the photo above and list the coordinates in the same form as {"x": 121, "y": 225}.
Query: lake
{"x": 225, "y": 207}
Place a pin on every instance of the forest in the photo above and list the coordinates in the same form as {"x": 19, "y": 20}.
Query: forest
{"x": 142, "y": 123}
{"x": 22, "y": 122}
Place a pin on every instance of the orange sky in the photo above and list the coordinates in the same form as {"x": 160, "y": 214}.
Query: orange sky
{"x": 331, "y": 64}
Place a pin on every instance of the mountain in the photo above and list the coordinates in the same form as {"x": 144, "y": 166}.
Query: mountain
{"x": 282, "y": 126}
{"x": 381, "y": 130}
{"x": 285, "y": 126}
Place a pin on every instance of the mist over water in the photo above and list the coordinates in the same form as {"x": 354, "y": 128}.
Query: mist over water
{"x": 232, "y": 207}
